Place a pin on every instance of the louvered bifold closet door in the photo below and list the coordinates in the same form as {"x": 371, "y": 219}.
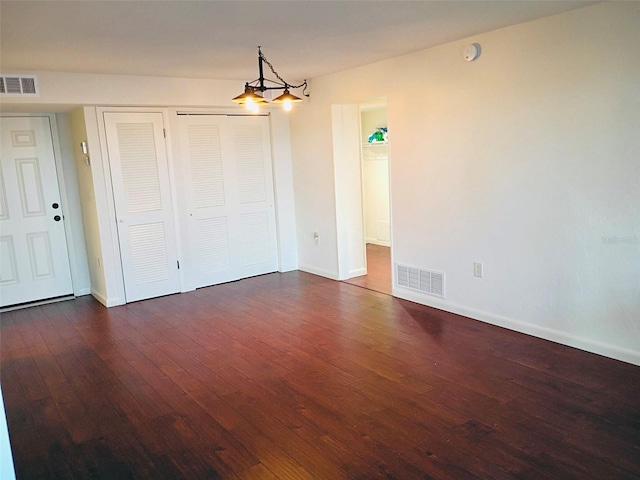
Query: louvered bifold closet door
{"x": 230, "y": 214}
{"x": 142, "y": 197}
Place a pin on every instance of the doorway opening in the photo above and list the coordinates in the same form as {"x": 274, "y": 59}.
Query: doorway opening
{"x": 376, "y": 211}
{"x": 34, "y": 252}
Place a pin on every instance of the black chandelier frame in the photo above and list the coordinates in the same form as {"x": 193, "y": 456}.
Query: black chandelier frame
{"x": 260, "y": 83}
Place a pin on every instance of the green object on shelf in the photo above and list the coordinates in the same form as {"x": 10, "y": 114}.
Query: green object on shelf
{"x": 380, "y": 135}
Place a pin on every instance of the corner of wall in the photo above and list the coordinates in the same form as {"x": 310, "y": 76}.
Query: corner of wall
{"x": 84, "y": 169}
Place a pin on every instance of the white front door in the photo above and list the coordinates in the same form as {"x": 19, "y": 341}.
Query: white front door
{"x": 34, "y": 262}
{"x": 228, "y": 179}
{"x": 142, "y": 197}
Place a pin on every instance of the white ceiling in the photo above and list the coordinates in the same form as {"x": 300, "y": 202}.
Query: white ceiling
{"x": 218, "y": 39}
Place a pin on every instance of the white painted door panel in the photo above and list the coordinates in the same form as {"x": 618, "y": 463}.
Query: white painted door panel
{"x": 251, "y": 149}
{"x": 34, "y": 262}
{"x": 230, "y": 214}
{"x": 142, "y": 197}
{"x": 205, "y": 165}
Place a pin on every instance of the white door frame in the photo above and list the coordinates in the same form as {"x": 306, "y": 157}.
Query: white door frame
{"x": 115, "y": 241}
{"x": 351, "y": 243}
{"x": 352, "y": 258}
{"x": 64, "y": 201}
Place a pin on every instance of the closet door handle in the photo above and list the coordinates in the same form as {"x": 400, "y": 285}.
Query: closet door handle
{"x": 57, "y": 218}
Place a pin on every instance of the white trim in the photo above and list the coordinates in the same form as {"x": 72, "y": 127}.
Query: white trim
{"x": 319, "y": 271}
{"x": 98, "y": 296}
{"x": 375, "y": 241}
{"x": 288, "y": 269}
{"x": 101, "y": 174}
{"x": 112, "y": 302}
{"x": 36, "y": 303}
{"x": 109, "y": 167}
{"x": 600, "y": 348}
{"x": 357, "y": 272}
{"x": 346, "y": 158}
{"x": 178, "y": 194}
{"x": 7, "y": 470}
{"x": 223, "y": 111}
{"x": 281, "y": 168}
{"x": 62, "y": 189}
{"x": 106, "y": 169}
{"x": 64, "y": 200}
{"x": 173, "y": 191}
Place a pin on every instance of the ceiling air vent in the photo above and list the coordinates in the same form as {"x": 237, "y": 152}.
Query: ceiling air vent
{"x": 19, "y": 85}
{"x": 425, "y": 281}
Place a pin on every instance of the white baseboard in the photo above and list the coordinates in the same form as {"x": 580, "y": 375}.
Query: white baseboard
{"x": 318, "y": 271}
{"x": 557, "y": 336}
{"x": 111, "y": 302}
{"x": 375, "y": 241}
{"x": 81, "y": 292}
{"x": 290, "y": 268}
{"x": 356, "y": 273}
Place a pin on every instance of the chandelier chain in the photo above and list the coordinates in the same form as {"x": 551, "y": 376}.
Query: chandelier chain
{"x": 273, "y": 70}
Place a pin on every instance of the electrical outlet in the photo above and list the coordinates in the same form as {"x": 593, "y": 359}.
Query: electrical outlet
{"x": 477, "y": 269}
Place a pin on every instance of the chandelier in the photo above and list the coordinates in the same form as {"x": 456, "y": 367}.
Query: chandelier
{"x": 252, "y": 97}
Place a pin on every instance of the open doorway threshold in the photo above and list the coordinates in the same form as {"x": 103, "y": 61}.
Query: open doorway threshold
{"x": 378, "y": 277}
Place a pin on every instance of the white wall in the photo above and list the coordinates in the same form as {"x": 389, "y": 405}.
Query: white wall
{"x": 65, "y": 91}
{"x": 103, "y": 258}
{"x": 313, "y": 184}
{"x": 525, "y": 160}
{"x": 7, "y": 471}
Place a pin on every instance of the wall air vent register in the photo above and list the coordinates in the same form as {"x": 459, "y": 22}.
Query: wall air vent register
{"x": 425, "y": 281}
{"x": 19, "y": 85}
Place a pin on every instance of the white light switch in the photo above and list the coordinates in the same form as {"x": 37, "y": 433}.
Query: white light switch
{"x": 477, "y": 269}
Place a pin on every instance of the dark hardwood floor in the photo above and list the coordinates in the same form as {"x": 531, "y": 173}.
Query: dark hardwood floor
{"x": 292, "y": 376}
{"x": 378, "y": 277}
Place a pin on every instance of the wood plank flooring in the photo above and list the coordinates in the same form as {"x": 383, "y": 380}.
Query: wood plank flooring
{"x": 292, "y": 376}
{"x": 378, "y": 277}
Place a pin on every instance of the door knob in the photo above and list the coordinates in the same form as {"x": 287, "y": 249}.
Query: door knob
{"x": 57, "y": 218}
{"x": 55, "y": 205}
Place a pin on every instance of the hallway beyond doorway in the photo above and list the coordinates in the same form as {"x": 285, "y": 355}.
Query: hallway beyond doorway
{"x": 378, "y": 277}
